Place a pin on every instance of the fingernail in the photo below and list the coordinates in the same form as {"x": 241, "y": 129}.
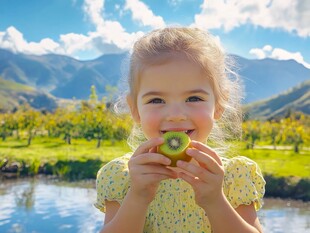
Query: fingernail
{"x": 180, "y": 163}
{"x": 167, "y": 161}
{"x": 195, "y": 143}
{"x": 160, "y": 139}
{"x": 189, "y": 151}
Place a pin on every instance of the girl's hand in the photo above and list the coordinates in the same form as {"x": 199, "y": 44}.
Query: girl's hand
{"x": 205, "y": 176}
{"x": 147, "y": 168}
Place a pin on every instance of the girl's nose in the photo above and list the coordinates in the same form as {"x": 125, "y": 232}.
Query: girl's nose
{"x": 176, "y": 113}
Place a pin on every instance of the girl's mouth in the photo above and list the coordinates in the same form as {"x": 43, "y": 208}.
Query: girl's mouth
{"x": 188, "y": 131}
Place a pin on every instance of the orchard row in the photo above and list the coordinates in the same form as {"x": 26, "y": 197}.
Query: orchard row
{"x": 95, "y": 121}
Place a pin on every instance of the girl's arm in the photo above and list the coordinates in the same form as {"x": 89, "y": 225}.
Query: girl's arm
{"x": 128, "y": 217}
{"x": 224, "y": 218}
{"x": 248, "y": 213}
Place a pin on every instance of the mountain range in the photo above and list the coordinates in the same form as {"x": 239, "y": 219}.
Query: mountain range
{"x": 296, "y": 99}
{"x": 61, "y": 77}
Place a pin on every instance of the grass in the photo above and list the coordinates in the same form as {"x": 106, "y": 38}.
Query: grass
{"x": 286, "y": 173}
{"x": 281, "y": 163}
{"x": 56, "y": 149}
{"x": 79, "y": 160}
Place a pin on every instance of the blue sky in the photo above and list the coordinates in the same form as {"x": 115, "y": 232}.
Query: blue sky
{"x": 86, "y": 29}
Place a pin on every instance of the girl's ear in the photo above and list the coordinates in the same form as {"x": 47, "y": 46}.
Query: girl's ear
{"x": 133, "y": 109}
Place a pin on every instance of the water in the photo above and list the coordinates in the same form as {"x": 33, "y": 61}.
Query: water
{"x": 285, "y": 216}
{"x": 44, "y": 206}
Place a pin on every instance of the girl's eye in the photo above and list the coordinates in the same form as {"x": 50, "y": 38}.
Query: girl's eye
{"x": 156, "y": 101}
{"x": 194, "y": 99}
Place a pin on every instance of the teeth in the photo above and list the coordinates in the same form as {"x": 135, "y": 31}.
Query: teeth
{"x": 184, "y": 131}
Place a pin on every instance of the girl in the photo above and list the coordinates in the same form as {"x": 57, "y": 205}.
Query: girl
{"x": 179, "y": 81}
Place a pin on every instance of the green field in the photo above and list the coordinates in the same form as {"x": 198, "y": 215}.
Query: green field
{"x": 79, "y": 160}
{"x": 279, "y": 163}
{"x": 47, "y": 149}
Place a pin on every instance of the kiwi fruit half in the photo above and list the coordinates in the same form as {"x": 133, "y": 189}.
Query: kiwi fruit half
{"x": 174, "y": 146}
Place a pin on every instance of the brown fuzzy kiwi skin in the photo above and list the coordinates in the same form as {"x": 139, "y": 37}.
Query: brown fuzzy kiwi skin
{"x": 174, "y": 158}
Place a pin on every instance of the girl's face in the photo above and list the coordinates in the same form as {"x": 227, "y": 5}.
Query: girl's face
{"x": 175, "y": 96}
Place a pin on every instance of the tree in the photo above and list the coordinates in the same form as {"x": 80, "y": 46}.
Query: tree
{"x": 251, "y": 132}
{"x": 4, "y": 125}
{"x": 271, "y": 130}
{"x": 93, "y": 98}
{"x": 96, "y": 123}
{"x": 30, "y": 121}
{"x": 66, "y": 122}
{"x": 294, "y": 132}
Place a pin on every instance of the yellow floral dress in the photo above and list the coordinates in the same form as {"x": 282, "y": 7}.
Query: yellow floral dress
{"x": 174, "y": 208}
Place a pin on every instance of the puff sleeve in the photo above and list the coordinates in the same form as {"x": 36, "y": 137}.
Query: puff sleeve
{"x": 243, "y": 182}
{"x": 112, "y": 182}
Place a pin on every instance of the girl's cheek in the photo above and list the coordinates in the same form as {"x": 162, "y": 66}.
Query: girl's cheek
{"x": 151, "y": 117}
{"x": 204, "y": 112}
{"x": 150, "y": 124}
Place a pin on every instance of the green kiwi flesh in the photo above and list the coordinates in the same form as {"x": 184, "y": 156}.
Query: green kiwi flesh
{"x": 175, "y": 146}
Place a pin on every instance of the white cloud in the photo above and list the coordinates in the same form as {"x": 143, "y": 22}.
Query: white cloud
{"x": 109, "y": 37}
{"x": 13, "y": 40}
{"x": 267, "y": 48}
{"x": 290, "y": 15}
{"x": 258, "y": 53}
{"x": 142, "y": 14}
{"x": 112, "y": 38}
{"x": 282, "y": 54}
{"x": 69, "y": 44}
{"x": 261, "y": 53}
{"x": 72, "y": 43}
{"x": 94, "y": 10}
{"x": 279, "y": 54}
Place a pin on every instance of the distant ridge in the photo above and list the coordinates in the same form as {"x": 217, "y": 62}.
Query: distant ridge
{"x": 67, "y": 78}
{"x": 13, "y": 94}
{"x": 296, "y": 99}
{"x": 267, "y": 77}
{"x": 62, "y": 76}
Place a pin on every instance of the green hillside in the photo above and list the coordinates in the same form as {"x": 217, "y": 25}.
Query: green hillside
{"x": 14, "y": 94}
{"x": 296, "y": 99}
{"x": 6, "y": 85}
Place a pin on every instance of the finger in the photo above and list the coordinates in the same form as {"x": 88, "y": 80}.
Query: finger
{"x": 194, "y": 170}
{"x": 157, "y": 169}
{"x": 154, "y": 178}
{"x": 205, "y": 160}
{"x": 202, "y": 147}
{"x": 150, "y": 158}
{"x": 153, "y": 150}
{"x": 189, "y": 179}
{"x": 148, "y": 145}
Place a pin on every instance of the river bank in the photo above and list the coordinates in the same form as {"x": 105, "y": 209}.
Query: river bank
{"x": 287, "y": 173}
{"x": 292, "y": 187}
